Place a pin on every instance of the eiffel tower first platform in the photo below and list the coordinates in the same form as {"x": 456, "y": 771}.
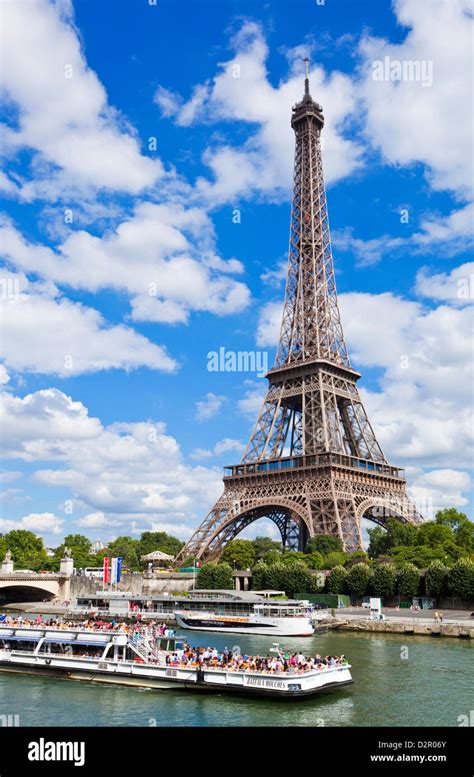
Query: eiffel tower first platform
{"x": 313, "y": 464}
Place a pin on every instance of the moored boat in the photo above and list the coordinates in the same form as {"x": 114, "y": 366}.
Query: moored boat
{"x": 282, "y": 619}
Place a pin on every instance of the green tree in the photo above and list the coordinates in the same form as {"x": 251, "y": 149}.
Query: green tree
{"x": 27, "y": 549}
{"x": 433, "y": 534}
{"x": 435, "y": 579}
{"x": 358, "y": 579}
{"x": 461, "y": 579}
{"x": 334, "y": 559}
{"x": 263, "y": 545}
{"x": 462, "y": 527}
{"x": 292, "y": 556}
{"x": 215, "y": 575}
{"x": 80, "y": 547}
{"x": 324, "y": 544}
{"x": 314, "y": 560}
{"x": 259, "y": 576}
{"x": 384, "y": 579}
{"x": 408, "y": 579}
{"x": 126, "y": 547}
{"x": 272, "y": 556}
{"x": 158, "y": 540}
{"x": 397, "y": 533}
{"x": 240, "y": 554}
{"x": 295, "y": 578}
{"x": 336, "y": 582}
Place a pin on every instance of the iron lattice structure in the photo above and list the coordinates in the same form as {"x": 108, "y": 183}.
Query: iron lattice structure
{"x": 313, "y": 464}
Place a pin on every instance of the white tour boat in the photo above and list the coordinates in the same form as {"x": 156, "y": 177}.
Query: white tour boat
{"x": 140, "y": 660}
{"x": 282, "y": 619}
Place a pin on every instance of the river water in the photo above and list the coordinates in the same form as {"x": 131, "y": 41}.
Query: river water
{"x": 413, "y": 681}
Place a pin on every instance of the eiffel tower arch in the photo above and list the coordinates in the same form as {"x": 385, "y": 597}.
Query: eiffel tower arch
{"x": 313, "y": 464}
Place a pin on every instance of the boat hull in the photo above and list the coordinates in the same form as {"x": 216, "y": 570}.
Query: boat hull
{"x": 250, "y": 627}
{"x": 207, "y": 681}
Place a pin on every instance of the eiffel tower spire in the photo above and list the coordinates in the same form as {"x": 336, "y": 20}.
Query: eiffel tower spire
{"x": 313, "y": 464}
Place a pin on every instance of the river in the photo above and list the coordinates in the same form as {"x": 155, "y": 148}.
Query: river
{"x": 415, "y": 681}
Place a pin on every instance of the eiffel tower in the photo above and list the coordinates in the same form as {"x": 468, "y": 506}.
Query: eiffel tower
{"x": 313, "y": 464}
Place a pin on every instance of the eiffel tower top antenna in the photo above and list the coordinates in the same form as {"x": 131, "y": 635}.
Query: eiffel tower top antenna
{"x": 306, "y": 80}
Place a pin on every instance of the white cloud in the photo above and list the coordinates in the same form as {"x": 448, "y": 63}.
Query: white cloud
{"x": 452, "y": 233}
{"x": 441, "y": 488}
{"x": 223, "y": 446}
{"x": 413, "y": 123}
{"x": 61, "y": 107}
{"x": 163, "y": 256}
{"x": 269, "y": 324}
{"x": 456, "y": 286}
{"x": 4, "y": 376}
{"x": 132, "y": 475}
{"x": 242, "y": 92}
{"x": 39, "y": 523}
{"x": 209, "y": 407}
{"x": 46, "y": 333}
{"x": 251, "y": 403}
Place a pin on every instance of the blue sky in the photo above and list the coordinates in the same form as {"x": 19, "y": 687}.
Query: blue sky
{"x": 147, "y": 162}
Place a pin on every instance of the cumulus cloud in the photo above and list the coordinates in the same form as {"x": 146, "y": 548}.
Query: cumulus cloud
{"x": 39, "y": 523}
{"x": 456, "y": 287}
{"x": 61, "y": 109}
{"x": 45, "y": 332}
{"x": 127, "y": 474}
{"x": 222, "y": 446}
{"x": 209, "y": 406}
{"x": 163, "y": 256}
{"x": 410, "y": 122}
{"x": 242, "y": 92}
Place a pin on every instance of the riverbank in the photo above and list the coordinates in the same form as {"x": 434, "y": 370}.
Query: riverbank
{"x": 455, "y": 623}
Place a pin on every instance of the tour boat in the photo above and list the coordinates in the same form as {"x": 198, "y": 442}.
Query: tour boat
{"x": 282, "y": 619}
{"x": 119, "y": 658}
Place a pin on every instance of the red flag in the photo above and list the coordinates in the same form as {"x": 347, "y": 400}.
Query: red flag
{"x": 106, "y": 569}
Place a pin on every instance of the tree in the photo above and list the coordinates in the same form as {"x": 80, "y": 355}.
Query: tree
{"x": 358, "y": 579}
{"x": 384, "y": 579}
{"x": 433, "y": 534}
{"x": 462, "y": 527}
{"x": 461, "y": 579}
{"x": 272, "y": 557}
{"x": 291, "y": 556}
{"x": 324, "y": 544}
{"x": 435, "y": 579}
{"x": 419, "y": 555}
{"x": 215, "y": 575}
{"x": 27, "y": 549}
{"x": 259, "y": 576}
{"x": 240, "y": 554}
{"x": 408, "y": 579}
{"x": 126, "y": 547}
{"x": 295, "y": 578}
{"x": 337, "y": 580}
{"x": 158, "y": 540}
{"x": 334, "y": 559}
{"x": 263, "y": 545}
{"x": 397, "y": 533}
{"x": 314, "y": 560}
{"x": 80, "y": 547}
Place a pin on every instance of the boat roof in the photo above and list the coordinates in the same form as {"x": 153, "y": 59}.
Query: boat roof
{"x": 216, "y": 595}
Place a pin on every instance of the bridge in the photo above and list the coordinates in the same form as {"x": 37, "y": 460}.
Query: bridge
{"x": 24, "y": 586}
{"x": 20, "y": 587}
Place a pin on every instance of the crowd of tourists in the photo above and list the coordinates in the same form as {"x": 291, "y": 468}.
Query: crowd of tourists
{"x": 293, "y": 663}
